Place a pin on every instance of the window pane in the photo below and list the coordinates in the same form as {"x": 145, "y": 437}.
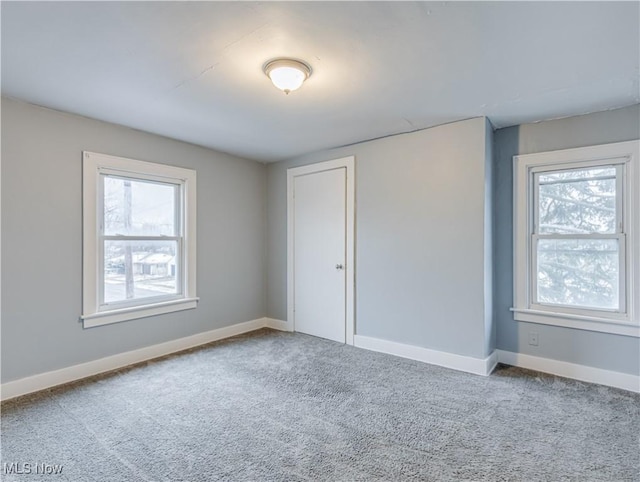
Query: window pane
{"x": 139, "y": 269}
{"x": 578, "y": 272}
{"x": 134, "y": 207}
{"x": 579, "y": 201}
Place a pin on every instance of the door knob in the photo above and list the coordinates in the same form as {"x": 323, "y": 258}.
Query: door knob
{"x": 339, "y": 266}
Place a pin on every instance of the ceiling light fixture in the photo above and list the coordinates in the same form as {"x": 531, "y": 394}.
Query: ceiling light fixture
{"x": 287, "y": 74}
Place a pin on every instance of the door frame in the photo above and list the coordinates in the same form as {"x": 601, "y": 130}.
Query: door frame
{"x": 292, "y": 173}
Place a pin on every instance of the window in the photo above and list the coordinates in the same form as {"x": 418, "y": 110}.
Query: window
{"x": 139, "y": 239}
{"x": 576, "y": 229}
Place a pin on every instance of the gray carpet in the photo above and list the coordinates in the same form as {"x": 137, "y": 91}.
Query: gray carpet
{"x": 271, "y": 406}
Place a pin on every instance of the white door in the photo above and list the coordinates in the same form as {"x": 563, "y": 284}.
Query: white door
{"x": 319, "y": 257}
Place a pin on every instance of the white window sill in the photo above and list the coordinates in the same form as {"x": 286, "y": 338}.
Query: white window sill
{"x": 134, "y": 312}
{"x": 603, "y": 325}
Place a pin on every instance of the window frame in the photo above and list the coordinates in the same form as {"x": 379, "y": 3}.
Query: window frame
{"x": 527, "y": 169}
{"x": 95, "y": 311}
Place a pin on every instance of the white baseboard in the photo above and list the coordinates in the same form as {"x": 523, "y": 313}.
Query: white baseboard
{"x": 64, "y": 375}
{"x": 571, "y": 370}
{"x": 477, "y": 366}
{"x": 277, "y": 324}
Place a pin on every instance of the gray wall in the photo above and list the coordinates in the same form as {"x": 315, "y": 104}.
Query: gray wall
{"x": 610, "y": 352}
{"x": 42, "y": 240}
{"x": 420, "y": 237}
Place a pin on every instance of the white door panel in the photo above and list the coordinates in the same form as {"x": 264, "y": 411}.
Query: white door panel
{"x": 320, "y": 254}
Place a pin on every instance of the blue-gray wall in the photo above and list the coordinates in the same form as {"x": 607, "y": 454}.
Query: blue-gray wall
{"x": 42, "y": 240}
{"x": 600, "y": 350}
{"x": 422, "y": 228}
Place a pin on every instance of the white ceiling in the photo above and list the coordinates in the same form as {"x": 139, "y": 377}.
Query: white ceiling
{"x": 193, "y": 70}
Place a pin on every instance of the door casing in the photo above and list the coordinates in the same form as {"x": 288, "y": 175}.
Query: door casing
{"x": 349, "y": 164}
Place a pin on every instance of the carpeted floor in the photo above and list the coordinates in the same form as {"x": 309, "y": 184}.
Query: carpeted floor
{"x": 272, "y": 406}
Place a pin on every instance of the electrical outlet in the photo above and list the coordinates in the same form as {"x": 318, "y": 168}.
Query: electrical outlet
{"x": 533, "y": 338}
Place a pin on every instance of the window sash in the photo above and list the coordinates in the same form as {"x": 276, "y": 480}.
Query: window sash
{"x": 180, "y": 285}
{"x": 534, "y": 235}
{"x": 179, "y": 216}
{"x": 179, "y": 201}
{"x": 556, "y": 307}
{"x": 534, "y": 203}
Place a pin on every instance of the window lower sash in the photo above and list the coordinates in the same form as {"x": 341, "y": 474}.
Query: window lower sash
{"x": 622, "y": 273}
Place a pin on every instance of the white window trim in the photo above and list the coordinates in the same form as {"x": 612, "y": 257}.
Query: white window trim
{"x": 626, "y": 322}
{"x": 93, "y": 165}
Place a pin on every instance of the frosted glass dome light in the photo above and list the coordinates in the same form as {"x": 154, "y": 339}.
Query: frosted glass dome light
{"x": 287, "y": 74}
